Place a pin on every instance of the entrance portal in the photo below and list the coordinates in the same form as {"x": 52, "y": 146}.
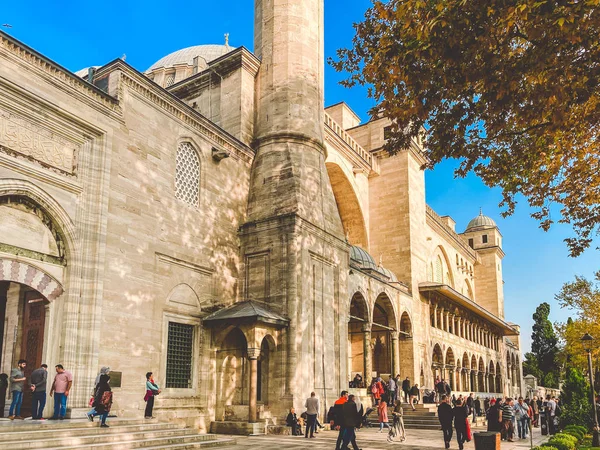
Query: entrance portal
{"x": 22, "y": 326}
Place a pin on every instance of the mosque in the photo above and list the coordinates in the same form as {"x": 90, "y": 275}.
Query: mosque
{"x": 209, "y": 220}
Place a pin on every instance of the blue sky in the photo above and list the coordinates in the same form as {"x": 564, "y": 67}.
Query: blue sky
{"x": 77, "y": 35}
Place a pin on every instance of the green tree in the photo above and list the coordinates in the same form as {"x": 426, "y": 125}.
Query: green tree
{"x": 582, "y": 296}
{"x": 544, "y": 347}
{"x": 575, "y": 399}
{"x": 530, "y": 366}
{"x": 508, "y": 87}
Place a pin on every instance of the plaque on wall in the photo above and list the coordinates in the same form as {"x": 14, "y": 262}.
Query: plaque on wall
{"x": 115, "y": 379}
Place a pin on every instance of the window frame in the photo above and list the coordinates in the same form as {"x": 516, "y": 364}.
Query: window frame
{"x": 196, "y": 345}
{"x": 195, "y": 149}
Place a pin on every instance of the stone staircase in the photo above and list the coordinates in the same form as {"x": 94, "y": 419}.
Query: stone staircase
{"x": 423, "y": 418}
{"x": 122, "y": 434}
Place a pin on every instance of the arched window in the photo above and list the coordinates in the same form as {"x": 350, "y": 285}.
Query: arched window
{"x": 187, "y": 174}
{"x": 438, "y": 274}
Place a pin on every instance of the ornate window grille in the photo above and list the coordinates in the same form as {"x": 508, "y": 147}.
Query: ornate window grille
{"x": 187, "y": 174}
{"x": 179, "y": 355}
{"x": 170, "y": 80}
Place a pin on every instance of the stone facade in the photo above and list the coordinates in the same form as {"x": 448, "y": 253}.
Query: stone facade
{"x": 137, "y": 214}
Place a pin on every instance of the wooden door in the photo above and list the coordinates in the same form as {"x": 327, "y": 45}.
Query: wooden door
{"x": 32, "y": 343}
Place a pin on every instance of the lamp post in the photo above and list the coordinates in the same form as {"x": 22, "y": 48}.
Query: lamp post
{"x": 586, "y": 341}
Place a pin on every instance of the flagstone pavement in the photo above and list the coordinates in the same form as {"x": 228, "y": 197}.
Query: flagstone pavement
{"x": 370, "y": 439}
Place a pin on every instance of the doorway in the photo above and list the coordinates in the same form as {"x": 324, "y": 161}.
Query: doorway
{"x": 22, "y": 326}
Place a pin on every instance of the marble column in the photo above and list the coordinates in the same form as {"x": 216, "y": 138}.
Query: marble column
{"x": 368, "y": 354}
{"x": 253, "y": 354}
{"x": 396, "y": 353}
{"x": 435, "y": 320}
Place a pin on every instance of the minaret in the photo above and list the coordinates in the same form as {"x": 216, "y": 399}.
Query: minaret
{"x": 289, "y": 172}
{"x": 293, "y": 246}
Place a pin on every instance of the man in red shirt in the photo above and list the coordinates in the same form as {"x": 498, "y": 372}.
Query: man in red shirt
{"x": 337, "y": 418}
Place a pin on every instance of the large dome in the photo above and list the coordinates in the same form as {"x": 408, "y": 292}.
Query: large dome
{"x": 207, "y": 53}
{"x": 480, "y": 221}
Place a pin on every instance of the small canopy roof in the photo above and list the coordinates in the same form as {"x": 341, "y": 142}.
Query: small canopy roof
{"x": 244, "y": 313}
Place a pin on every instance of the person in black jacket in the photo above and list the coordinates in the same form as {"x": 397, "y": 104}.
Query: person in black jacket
{"x": 292, "y": 422}
{"x": 102, "y": 402}
{"x": 445, "y": 415}
{"x": 338, "y": 415}
{"x": 406, "y": 389}
{"x": 351, "y": 419}
{"x": 460, "y": 424}
{"x": 493, "y": 416}
{"x": 415, "y": 394}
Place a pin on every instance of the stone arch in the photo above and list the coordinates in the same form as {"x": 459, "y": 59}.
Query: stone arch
{"x": 232, "y": 369}
{"x": 491, "y": 377}
{"x": 450, "y": 368}
{"x": 406, "y": 347}
{"x": 383, "y": 322}
{"x": 481, "y": 375}
{"x": 437, "y": 362}
{"x": 348, "y": 204}
{"x": 184, "y": 295}
{"x": 358, "y": 320}
{"x": 202, "y": 150}
{"x": 266, "y": 369}
{"x": 498, "y": 378}
{"x": 469, "y": 289}
{"x": 29, "y": 275}
{"x": 441, "y": 252}
{"x": 60, "y": 220}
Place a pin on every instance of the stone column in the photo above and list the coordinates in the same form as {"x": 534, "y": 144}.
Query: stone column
{"x": 435, "y": 321}
{"x": 460, "y": 332}
{"x": 396, "y": 353}
{"x": 447, "y": 321}
{"x": 452, "y": 317}
{"x": 368, "y": 354}
{"x": 253, "y": 354}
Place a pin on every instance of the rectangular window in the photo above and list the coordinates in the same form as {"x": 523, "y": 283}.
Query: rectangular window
{"x": 387, "y": 133}
{"x": 179, "y": 355}
{"x": 471, "y": 243}
{"x": 484, "y": 237}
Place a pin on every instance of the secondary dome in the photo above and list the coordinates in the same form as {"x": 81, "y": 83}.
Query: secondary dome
{"x": 362, "y": 258}
{"x": 481, "y": 221}
{"x": 206, "y": 54}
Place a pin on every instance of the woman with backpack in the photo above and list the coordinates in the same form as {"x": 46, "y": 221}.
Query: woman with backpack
{"x": 102, "y": 401}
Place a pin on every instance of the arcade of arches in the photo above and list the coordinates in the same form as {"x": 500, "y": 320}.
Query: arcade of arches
{"x": 378, "y": 344}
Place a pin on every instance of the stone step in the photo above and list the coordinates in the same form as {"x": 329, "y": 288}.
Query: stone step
{"x": 181, "y": 441}
{"x": 92, "y": 428}
{"x": 7, "y": 426}
{"x": 206, "y": 444}
{"x": 100, "y": 438}
{"x": 238, "y": 428}
{"x": 422, "y": 426}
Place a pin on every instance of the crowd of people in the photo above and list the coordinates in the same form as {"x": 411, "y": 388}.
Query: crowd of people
{"x": 346, "y": 416}
{"x": 101, "y": 398}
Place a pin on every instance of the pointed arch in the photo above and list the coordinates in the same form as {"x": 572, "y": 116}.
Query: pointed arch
{"x": 349, "y": 207}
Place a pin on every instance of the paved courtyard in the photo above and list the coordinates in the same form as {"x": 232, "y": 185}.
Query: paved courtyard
{"x": 370, "y": 439}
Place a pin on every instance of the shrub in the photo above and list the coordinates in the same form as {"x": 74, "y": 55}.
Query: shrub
{"x": 563, "y": 442}
{"x": 574, "y": 432}
{"x": 566, "y": 436}
{"x": 544, "y": 447}
{"x": 583, "y": 430}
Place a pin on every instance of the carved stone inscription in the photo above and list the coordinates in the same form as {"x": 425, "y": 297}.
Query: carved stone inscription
{"x": 19, "y": 136}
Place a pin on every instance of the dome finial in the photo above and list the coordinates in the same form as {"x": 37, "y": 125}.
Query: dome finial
{"x": 227, "y": 39}
{"x": 480, "y": 211}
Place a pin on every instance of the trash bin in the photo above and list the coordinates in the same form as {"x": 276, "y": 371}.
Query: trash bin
{"x": 487, "y": 440}
{"x": 544, "y": 424}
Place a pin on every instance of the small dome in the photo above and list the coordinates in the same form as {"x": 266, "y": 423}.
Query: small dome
{"x": 206, "y": 53}
{"x": 480, "y": 221}
{"x": 388, "y": 273}
{"x": 362, "y": 258}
